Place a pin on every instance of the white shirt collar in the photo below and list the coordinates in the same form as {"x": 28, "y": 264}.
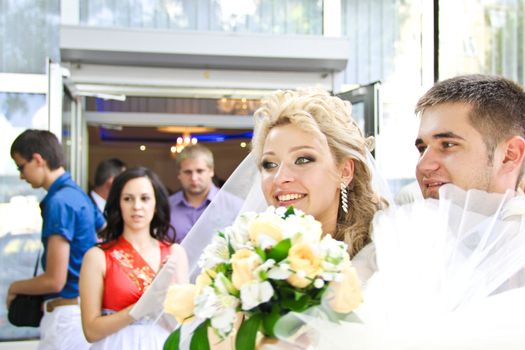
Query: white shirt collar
{"x": 99, "y": 201}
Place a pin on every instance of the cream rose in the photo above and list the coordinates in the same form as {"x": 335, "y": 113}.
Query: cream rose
{"x": 244, "y": 262}
{"x": 304, "y": 261}
{"x": 345, "y": 296}
{"x": 266, "y": 227}
{"x": 180, "y": 301}
{"x": 204, "y": 279}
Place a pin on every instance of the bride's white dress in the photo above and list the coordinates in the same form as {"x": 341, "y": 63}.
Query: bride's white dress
{"x": 448, "y": 276}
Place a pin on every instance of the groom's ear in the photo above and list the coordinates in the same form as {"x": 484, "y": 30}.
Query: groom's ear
{"x": 514, "y": 154}
{"x": 347, "y": 170}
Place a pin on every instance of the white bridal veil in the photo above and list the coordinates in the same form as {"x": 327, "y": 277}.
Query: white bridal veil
{"x": 449, "y": 277}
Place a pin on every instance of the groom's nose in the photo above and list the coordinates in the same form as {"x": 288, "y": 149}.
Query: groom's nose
{"x": 428, "y": 161}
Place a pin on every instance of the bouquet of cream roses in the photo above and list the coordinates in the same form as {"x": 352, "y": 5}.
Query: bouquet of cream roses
{"x": 259, "y": 269}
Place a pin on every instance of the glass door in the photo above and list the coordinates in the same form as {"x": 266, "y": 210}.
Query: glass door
{"x": 22, "y": 106}
{"x": 27, "y": 101}
{"x": 365, "y": 107}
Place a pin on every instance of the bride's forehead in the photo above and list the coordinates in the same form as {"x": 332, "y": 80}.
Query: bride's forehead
{"x": 290, "y": 135}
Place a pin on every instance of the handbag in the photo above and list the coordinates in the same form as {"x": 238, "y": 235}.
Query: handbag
{"x": 26, "y": 310}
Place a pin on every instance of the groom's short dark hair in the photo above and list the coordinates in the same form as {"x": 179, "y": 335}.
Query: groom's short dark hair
{"x": 497, "y": 105}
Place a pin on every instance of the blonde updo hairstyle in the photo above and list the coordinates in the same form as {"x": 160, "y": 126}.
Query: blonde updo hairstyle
{"x": 317, "y": 112}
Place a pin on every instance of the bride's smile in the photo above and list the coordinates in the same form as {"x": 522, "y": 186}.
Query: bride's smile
{"x": 286, "y": 199}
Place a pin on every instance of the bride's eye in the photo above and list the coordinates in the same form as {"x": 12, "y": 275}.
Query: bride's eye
{"x": 265, "y": 164}
{"x": 304, "y": 160}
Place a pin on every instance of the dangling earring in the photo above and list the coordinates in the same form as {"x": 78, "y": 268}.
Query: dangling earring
{"x": 344, "y": 198}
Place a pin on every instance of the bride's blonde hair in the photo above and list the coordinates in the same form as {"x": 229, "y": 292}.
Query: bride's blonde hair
{"x": 317, "y": 112}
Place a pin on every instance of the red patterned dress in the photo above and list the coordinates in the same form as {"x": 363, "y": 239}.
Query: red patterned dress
{"x": 127, "y": 277}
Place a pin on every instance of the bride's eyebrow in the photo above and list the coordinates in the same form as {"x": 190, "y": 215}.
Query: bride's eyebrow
{"x": 296, "y": 148}
{"x": 268, "y": 153}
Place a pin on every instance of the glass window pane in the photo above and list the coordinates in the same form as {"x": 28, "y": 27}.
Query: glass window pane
{"x": 251, "y": 16}
{"x": 488, "y": 38}
{"x": 66, "y": 130}
{"x": 20, "y": 221}
{"x": 385, "y": 45}
{"x": 29, "y": 33}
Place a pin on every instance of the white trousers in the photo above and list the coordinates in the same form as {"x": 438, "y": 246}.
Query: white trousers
{"x": 61, "y": 329}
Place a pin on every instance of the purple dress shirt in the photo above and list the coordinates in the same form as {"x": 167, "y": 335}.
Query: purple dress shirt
{"x": 183, "y": 215}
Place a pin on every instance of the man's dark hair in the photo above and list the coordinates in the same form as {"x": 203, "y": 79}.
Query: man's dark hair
{"x": 107, "y": 169}
{"x": 42, "y": 142}
{"x": 497, "y": 105}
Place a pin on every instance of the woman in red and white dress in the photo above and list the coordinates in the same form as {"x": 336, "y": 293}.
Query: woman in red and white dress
{"x": 116, "y": 273}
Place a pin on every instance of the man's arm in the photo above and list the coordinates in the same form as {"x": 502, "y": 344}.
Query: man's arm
{"x": 54, "y": 277}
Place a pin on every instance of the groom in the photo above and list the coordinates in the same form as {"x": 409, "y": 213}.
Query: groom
{"x": 471, "y": 134}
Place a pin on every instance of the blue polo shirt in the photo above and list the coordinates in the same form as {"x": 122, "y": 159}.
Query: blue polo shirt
{"x": 69, "y": 212}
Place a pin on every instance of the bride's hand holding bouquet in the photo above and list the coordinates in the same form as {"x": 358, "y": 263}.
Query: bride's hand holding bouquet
{"x": 259, "y": 269}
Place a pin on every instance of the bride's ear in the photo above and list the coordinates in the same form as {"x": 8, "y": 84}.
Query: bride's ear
{"x": 347, "y": 170}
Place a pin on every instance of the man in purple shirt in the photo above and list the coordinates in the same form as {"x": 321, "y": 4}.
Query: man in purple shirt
{"x": 195, "y": 167}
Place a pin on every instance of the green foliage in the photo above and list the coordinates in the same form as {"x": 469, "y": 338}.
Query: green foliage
{"x": 270, "y": 319}
{"x": 289, "y": 211}
{"x": 261, "y": 253}
{"x": 199, "y": 340}
{"x": 247, "y": 333}
{"x": 172, "y": 343}
{"x": 280, "y": 251}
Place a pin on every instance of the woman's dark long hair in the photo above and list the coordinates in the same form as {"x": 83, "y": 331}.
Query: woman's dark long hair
{"x": 160, "y": 224}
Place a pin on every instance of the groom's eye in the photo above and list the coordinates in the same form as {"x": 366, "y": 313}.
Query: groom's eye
{"x": 421, "y": 148}
{"x": 448, "y": 145}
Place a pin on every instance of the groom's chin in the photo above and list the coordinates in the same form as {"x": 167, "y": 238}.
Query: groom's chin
{"x": 433, "y": 193}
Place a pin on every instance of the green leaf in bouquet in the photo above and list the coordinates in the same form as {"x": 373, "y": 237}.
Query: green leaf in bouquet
{"x": 270, "y": 319}
{"x": 263, "y": 275}
{"x": 172, "y": 343}
{"x": 299, "y": 303}
{"x": 223, "y": 268}
{"x": 199, "y": 340}
{"x": 231, "y": 251}
{"x": 289, "y": 211}
{"x": 261, "y": 253}
{"x": 247, "y": 333}
{"x": 280, "y": 251}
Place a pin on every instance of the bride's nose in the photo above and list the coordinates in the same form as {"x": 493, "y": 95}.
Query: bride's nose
{"x": 284, "y": 174}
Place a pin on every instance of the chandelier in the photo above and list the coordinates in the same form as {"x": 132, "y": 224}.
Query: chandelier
{"x": 185, "y": 139}
{"x": 182, "y": 141}
{"x": 237, "y": 106}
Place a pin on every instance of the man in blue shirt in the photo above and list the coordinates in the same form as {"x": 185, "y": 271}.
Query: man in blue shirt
{"x": 70, "y": 223}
